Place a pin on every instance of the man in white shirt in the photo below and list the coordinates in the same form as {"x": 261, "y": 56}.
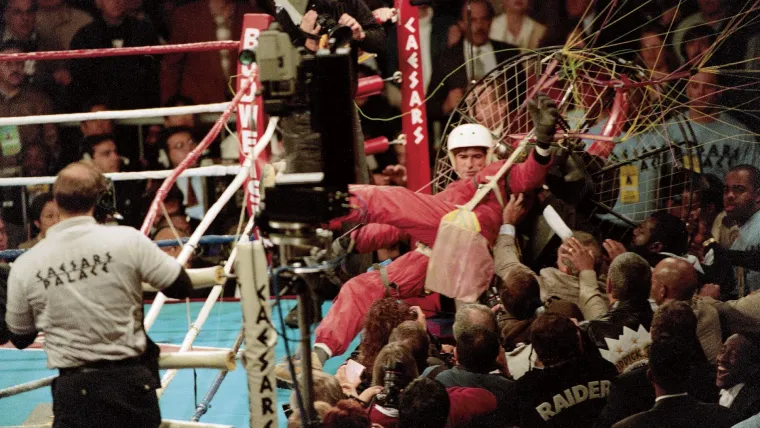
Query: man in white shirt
{"x": 738, "y": 371}
{"x": 476, "y": 50}
{"x": 82, "y": 286}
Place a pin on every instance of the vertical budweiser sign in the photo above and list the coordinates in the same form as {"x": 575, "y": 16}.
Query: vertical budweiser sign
{"x": 250, "y": 111}
{"x": 414, "y": 121}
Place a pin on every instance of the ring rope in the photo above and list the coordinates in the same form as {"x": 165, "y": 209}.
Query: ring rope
{"x": 9, "y": 255}
{"x": 135, "y": 50}
{"x": 204, "y": 171}
{"x": 216, "y": 291}
{"x": 114, "y": 114}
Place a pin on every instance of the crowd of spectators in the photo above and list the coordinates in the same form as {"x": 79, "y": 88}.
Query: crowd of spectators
{"x": 657, "y": 327}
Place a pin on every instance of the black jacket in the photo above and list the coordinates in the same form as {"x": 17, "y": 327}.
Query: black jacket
{"x": 632, "y": 392}
{"x": 566, "y": 395}
{"x": 501, "y": 387}
{"x": 450, "y": 60}
{"x": 747, "y": 402}
{"x": 128, "y": 82}
{"x": 627, "y": 313}
{"x": 681, "y": 412}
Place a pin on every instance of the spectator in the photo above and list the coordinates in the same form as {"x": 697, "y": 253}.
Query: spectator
{"x": 102, "y": 151}
{"x": 657, "y": 55}
{"x": 18, "y": 98}
{"x": 674, "y": 407}
{"x": 738, "y": 376}
{"x": 203, "y": 21}
{"x": 721, "y": 141}
{"x": 186, "y": 120}
{"x": 571, "y": 388}
{"x": 166, "y": 233}
{"x": 175, "y": 210}
{"x": 629, "y": 283}
{"x": 179, "y": 142}
{"x": 396, "y": 358}
{"x": 424, "y": 404}
{"x": 415, "y": 338}
{"x": 346, "y": 414}
{"x": 43, "y": 213}
{"x": 384, "y": 315}
{"x": 58, "y": 22}
{"x": 567, "y": 279}
{"x": 19, "y": 24}
{"x": 520, "y": 298}
{"x": 661, "y": 236}
{"x": 3, "y": 238}
{"x": 631, "y": 391}
{"x": 476, "y": 352}
{"x": 516, "y": 27}
{"x": 133, "y": 80}
{"x": 485, "y": 54}
{"x": 741, "y": 200}
{"x": 676, "y": 279}
{"x": 96, "y": 126}
{"x": 698, "y": 41}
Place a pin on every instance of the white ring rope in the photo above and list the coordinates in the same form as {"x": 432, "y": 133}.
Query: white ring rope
{"x": 204, "y": 171}
{"x": 114, "y": 114}
{"x": 188, "y": 249}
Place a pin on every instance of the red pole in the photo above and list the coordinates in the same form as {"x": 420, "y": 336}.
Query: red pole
{"x": 414, "y": 120}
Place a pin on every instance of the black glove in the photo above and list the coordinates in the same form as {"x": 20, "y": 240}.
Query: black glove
{"x": 543, "y": 111}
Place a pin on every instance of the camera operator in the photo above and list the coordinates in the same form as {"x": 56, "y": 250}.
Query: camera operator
{"x": 394, "y": 369}
{"x": 368, "y": 35}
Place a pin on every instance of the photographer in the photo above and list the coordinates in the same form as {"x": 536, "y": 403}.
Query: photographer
{"x": 394, "y": 369}
{"x": 368, "y": 35}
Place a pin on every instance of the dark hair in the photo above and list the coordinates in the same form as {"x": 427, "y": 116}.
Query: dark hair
{"x": 753, "y": 171}
{"x": 671, "y": 232}
{"x": 12, "y": 44}
{"x": 414, "y": 336}
{"x": 424, "y": 404}
{"x": 710, "y": 189}
{"x": 489, "y": 6}
{"x": 78, "y": 187}
{"x": 97, "y": 100}
{"x": 477, "y": 348}
{"x": 179, "y": 100}
{"x": 346, "y": 414}
{"x": 383, "y": 316}
{"x": 169, "y": 132}
{"x": 89, "y": 142}
{"x": 520, "y": 295}
{"x": 630, "y": 277}
{"x": 36, "y": 207}
{"x": 674, "y": 319}
{"x": 669, "y": 364}
{"x": 695, "y": 33}
{"x": 555, "y": 339}
{"x": 36, "y": 145}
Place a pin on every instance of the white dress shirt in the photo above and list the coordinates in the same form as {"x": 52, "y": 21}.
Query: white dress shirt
{"x": 482, "y": 53}
{"x": 426, "y": 29}
{"x": 662, "y": 397}
{"x": 727, "y": 396}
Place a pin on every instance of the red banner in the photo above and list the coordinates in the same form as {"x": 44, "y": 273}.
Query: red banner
{"x": 250, "y": 112}
{"x": 414, "y": 122}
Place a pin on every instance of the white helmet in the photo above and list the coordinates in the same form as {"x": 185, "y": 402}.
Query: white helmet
{"x": 470, "y": 135}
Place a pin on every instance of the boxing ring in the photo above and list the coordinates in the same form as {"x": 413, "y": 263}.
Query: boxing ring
{"x": 177, "y": 327}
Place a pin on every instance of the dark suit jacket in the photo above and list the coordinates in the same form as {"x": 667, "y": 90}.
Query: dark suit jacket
{"x": 199, "y": 75}
{"x": 681, "y": 412}
{"x": 450, "y": 59}
{"x": 631, "y": 392}
{"x": 747, "y": 403}
{"x": 438, "y": 37}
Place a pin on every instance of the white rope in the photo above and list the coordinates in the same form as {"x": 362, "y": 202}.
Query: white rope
{"x": 114, "y": 114}
{"x": 188, "y": 249}
{"x": 204, "y": 171}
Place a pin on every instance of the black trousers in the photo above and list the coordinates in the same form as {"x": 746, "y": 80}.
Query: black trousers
{"x": 108, "y": 397}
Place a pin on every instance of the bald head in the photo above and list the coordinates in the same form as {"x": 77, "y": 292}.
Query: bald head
{"x": 78, "y": 187}
{"x": 674, "y": 279}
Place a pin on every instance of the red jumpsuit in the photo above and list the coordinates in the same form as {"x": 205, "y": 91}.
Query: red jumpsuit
{"x": 398, "y": 213}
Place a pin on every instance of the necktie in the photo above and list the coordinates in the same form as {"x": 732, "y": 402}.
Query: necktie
{"x": 480, "y": 67}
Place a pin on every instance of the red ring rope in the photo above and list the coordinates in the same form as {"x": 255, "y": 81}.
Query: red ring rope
{"x": 137, "y": 50}
{"x": 194, "y": 155}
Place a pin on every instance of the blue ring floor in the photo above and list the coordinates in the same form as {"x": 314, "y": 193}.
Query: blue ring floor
{"x": 229, "y": 406}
